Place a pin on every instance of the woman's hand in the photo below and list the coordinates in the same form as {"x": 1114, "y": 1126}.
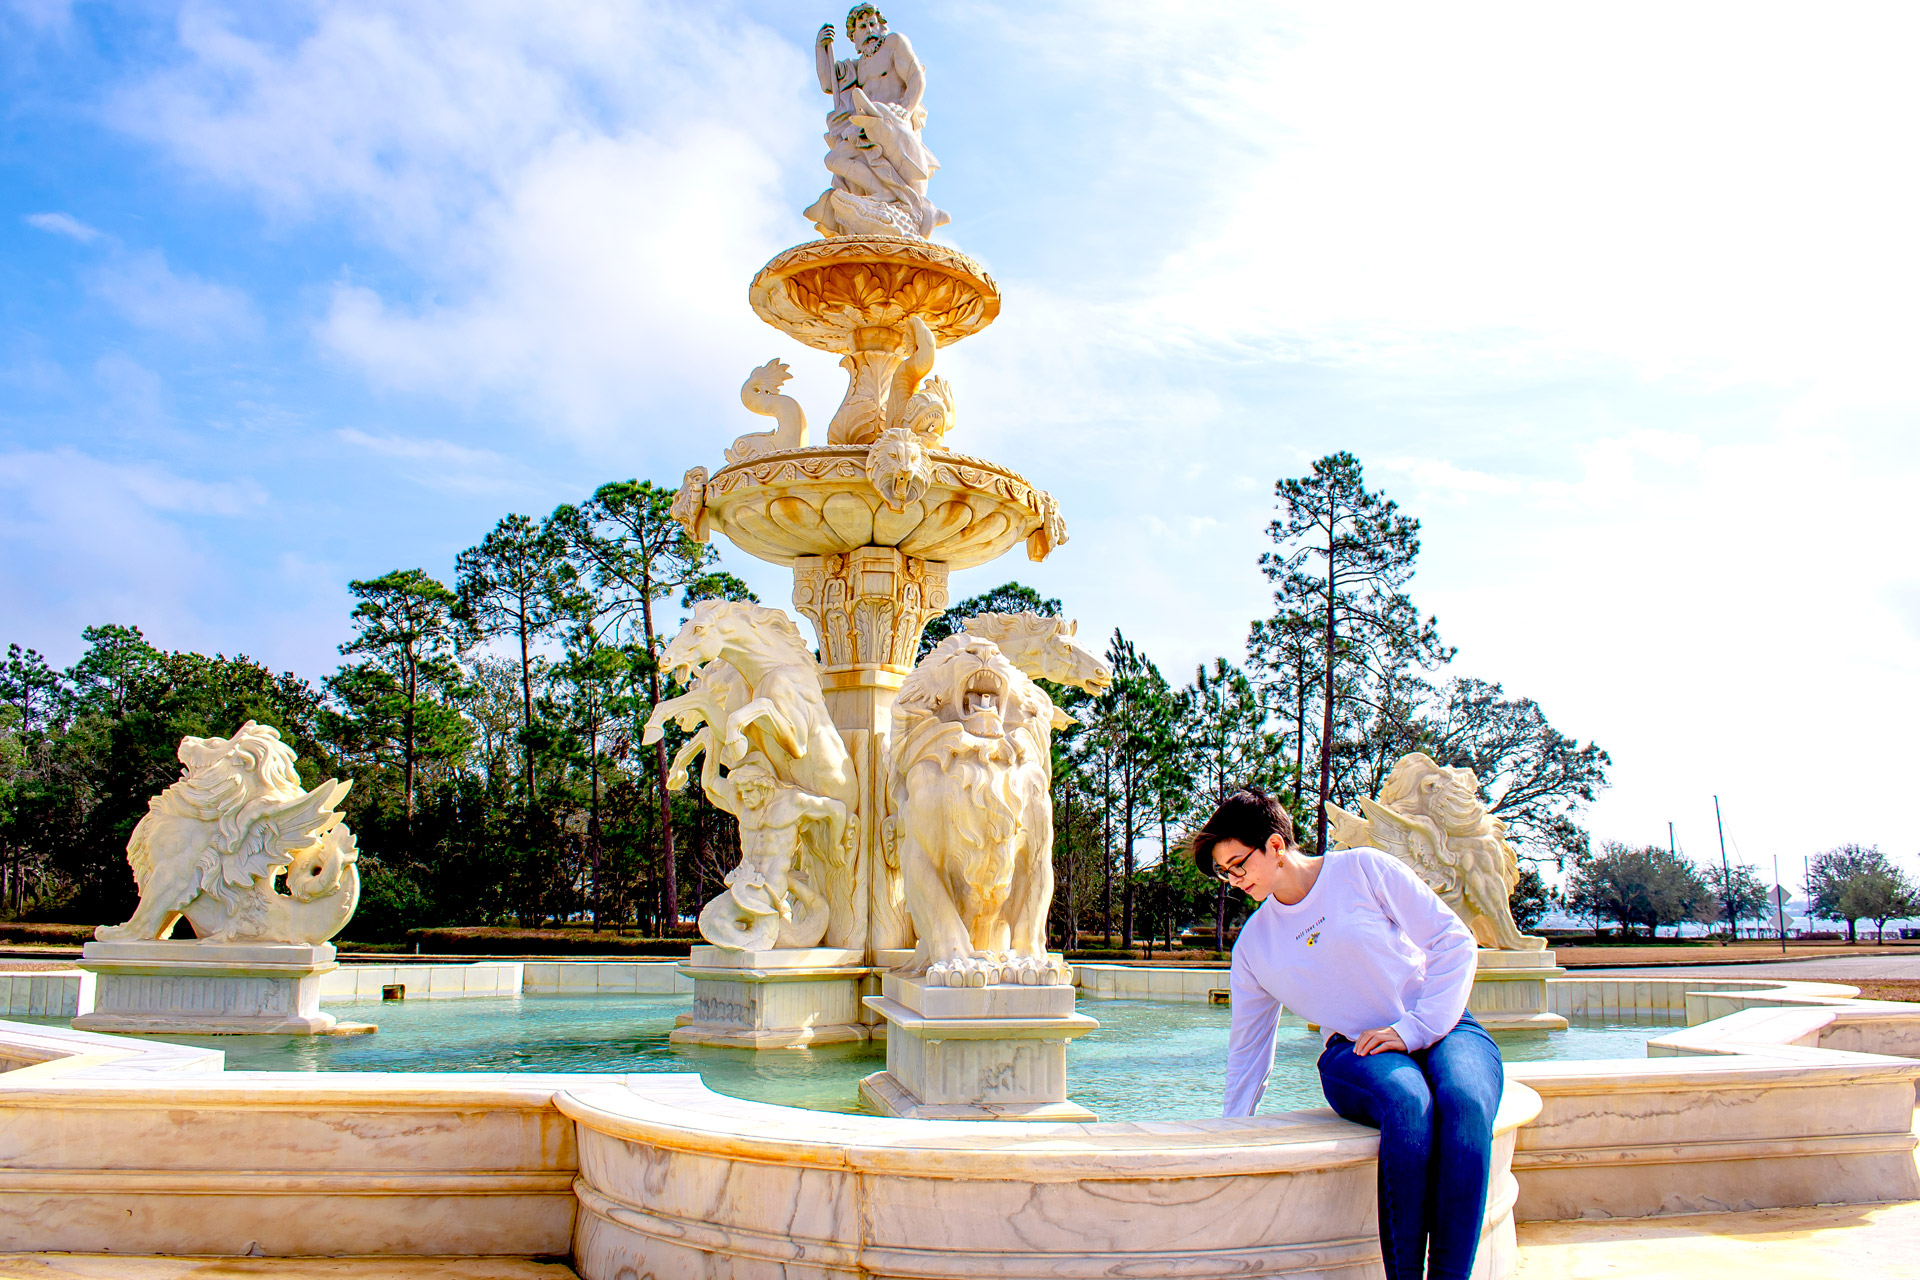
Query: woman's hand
{"x": 1386, "y": 1038}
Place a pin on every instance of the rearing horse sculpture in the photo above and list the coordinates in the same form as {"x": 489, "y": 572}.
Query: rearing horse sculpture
{"x": 785, "y": 720}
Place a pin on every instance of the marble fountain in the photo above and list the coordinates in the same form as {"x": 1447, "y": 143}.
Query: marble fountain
{"x": 896, "y": 874}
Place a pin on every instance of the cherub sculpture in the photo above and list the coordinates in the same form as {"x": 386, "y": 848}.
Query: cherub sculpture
{"x": 1431, "y": 818}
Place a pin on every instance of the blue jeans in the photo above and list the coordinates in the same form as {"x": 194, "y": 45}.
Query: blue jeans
{"x": 1434, "y": 1110}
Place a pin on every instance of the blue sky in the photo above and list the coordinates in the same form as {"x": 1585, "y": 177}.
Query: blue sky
{"x": 1617, "y": 300}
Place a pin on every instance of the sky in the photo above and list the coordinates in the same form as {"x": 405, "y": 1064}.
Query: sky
{"x": 1617, "y": 300}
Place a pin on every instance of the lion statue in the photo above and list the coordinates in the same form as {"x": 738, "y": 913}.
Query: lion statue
{"x": 1431, "y": 818}
{"x": 972, "y": 827}
{"x": 211, "y": 846}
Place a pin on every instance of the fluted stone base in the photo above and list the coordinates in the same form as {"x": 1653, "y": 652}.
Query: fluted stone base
{"x": 773, "y": 999}
{"x": 1510, "y": 991}
{"x": 194, "y": 987}
{"x": 975, "y": 1053}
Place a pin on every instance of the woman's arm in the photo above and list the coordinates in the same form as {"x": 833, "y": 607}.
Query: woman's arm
{"x": 1256, "y": 1015}
{"x": 1441, "y": 935}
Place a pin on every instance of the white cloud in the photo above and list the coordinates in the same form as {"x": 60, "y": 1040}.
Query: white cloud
{"x": 443, "y": 464}
{"x": 64, "y": 224}
{"x": 151, "y": 294}
{"x": 87, "y": 541}
{"x": 575, "y": 187}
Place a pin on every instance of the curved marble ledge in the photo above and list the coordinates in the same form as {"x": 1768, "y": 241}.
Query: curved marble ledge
{"x": 676, "y": 1112}
{"x": 676, "y": 1180}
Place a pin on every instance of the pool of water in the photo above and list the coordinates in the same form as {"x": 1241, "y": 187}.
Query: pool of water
{"x": 1149, "y": 1060}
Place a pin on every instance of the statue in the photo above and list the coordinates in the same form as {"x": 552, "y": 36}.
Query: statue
{"x": 1431, "y": 818}
{"x": 761, "y": 394}
{"x": 879, "y": 164}
{"x": 211, "y": 846}
{"x": 769, "y": 902}
{"x": 972, "y": 826}
{"x": 755, "y": 696}
{"x": 1043, "y": 648}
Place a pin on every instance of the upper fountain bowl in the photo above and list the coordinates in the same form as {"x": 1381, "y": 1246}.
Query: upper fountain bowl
{"x": 825, "y": 292}
{"x": 960, "y": 511}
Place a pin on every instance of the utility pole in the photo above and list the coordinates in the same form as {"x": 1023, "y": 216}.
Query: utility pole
{"x": 1726, "y": 874}
{"x": 1779, "y": 904}
{"x": 1670, "y": 849}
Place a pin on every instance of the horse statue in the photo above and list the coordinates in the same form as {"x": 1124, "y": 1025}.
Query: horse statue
{"x": 755, "y": 691}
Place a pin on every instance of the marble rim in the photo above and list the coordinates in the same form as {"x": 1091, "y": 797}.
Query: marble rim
{"x": 1024, "y": 508}
{"x": 678, "y": 1112}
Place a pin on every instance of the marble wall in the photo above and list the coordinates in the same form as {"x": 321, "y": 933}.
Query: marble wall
{"x": 677, "y": 1182}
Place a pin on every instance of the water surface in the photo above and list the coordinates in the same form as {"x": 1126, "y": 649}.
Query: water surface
{"x": 1150, "y": 1060}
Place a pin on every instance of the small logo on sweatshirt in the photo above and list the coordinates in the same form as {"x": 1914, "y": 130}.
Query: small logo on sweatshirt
{"x": 1311, "y": 934}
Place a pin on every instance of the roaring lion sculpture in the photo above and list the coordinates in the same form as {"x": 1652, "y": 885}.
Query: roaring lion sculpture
{"x": 211, "y": 846}
{"x": 972, "y": 825}
{"x": 1431, "y": 818}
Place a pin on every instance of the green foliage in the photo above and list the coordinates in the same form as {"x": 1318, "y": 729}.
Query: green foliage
{"x": 1858, "y": 882}
{"x": 1343, "y": 557}
{"x": 1736, "y": 893}
{"x": 390, "y": 904}
{"x": 1646, "y": 887}
{"x": 1531, "y": 899}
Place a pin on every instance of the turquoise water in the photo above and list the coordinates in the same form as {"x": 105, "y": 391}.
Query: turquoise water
{"x": 1148, "y": 1061}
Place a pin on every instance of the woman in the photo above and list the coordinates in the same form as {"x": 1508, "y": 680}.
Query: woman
{"x": 1357, "y": 944}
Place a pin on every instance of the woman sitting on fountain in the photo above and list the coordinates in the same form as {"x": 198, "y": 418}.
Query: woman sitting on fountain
{"x": 1356, "y": 943}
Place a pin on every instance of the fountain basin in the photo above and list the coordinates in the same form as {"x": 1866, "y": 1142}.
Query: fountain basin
{"x": 677, "y": 1180}
{"x": 819, "y": 501}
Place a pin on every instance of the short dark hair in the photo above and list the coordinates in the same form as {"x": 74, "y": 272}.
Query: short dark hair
{"x": 1249, "y": 816}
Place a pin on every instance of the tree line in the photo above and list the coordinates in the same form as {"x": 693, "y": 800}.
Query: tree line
{"x": 491, "y": 725}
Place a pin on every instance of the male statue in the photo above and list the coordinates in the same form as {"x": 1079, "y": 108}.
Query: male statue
{"x": 757, "y": 911}
{"x": 879, "y": 164}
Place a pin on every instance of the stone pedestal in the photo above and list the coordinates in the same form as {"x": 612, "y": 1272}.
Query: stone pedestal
{"x": 975, "y": 1053}
{"x": 1510, "y": 991}
{"x": 773, "y": 999}
{"x": 210, "y": 988}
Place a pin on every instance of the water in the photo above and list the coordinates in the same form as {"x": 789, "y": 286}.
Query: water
{"x": 1149, "y": 1061}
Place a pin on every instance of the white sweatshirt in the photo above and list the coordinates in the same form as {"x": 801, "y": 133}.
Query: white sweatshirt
{"x": 1370, "y": 946}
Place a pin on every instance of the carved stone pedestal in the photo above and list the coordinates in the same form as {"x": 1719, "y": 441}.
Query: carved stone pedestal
{"x": 1510, "y": 991}
{"x": 773, "y": 999}
{"x": 190, "y": 987}
{"x": 975, "y": 1053}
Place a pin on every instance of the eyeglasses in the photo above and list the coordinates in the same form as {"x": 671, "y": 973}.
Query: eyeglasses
{"x": 1230, "y": 870}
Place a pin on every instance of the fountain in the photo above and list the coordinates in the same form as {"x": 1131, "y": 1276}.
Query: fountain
{"x": 896, "y": 826}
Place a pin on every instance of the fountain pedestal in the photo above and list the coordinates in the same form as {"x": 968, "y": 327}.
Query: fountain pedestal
{"x": 994, "y": 1052}
{"x": 192, "y": 987}
{"x": 785, "y": 999}
{"x": 1510, "y": 991}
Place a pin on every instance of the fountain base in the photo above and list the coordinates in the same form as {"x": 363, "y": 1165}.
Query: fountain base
{"x": 194, "y": 987}
{"x": 1510, "y": 991}
{"x": 784, "y": 999}
{"x": 994, "y": 1052}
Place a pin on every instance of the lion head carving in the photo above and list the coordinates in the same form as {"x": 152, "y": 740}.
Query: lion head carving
{"x": 972, "y": 831}
{"x": 898, "y": 466}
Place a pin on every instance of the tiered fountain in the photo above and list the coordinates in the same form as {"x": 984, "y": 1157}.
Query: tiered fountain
{"x": 897, "y": 859}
